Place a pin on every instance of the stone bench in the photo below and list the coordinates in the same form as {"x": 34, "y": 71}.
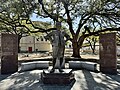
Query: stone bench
{"x": 34, "y": 65}
{"x": 83, "y": 65}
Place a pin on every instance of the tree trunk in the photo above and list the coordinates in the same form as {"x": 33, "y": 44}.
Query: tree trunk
{"x": 93, "y": 49}
{"x": 76, "y": 50}
{"x": 19, "y": 37}
{"x": 77, "y": 45}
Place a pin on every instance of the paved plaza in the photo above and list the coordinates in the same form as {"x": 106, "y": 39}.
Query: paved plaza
{"x": 84, "y": 80}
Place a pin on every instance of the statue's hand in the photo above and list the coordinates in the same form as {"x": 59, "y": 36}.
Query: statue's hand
{"x": 66, "y": 40}
{"x": 46, "y": 37}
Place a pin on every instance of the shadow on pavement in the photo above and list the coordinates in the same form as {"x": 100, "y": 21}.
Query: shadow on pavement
{"x": 84, "y": 80}
{"x": 29, "y": 80}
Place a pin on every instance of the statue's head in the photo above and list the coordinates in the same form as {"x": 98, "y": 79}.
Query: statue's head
{"x": 58, "y": 25}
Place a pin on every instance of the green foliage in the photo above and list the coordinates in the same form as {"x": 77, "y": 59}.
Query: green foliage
{"x": 97, "y": 15}
{"x": 94, "y": 13}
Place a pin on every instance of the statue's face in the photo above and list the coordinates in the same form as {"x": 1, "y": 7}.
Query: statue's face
{"x": 58, "y": 28}
{"x": 58, "y": 25}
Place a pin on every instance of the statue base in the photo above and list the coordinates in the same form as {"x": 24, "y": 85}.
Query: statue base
{"x": 57, "y": 77}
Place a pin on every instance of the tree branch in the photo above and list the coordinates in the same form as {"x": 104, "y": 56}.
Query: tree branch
{"x": 69, "y": 20}
{"x": 40, "y": 29}
{"x": 100, "y": 31}
{"x": 52, "y": 17}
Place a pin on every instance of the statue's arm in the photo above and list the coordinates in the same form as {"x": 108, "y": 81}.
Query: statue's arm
{"x": 49, "y": 36}
{"x": 67, "y": 36}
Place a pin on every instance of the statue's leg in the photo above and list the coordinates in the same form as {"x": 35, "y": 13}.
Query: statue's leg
{"x": 61, "y": 61}
{"x": 53, "y": 64}
{"x": 61, "y": 58}
{"x": 54, "y": 58}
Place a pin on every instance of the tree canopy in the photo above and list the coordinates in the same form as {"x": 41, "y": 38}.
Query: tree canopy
{"x": 83, "y": 18}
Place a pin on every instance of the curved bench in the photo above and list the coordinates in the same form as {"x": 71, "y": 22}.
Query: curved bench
{"x": 83, "y": 65}
{"x": 34, "y": 65}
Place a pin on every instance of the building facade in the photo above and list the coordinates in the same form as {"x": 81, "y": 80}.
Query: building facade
{"x": 33, "y": 44}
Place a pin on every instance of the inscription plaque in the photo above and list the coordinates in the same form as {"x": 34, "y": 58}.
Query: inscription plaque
{"x": 9, "y": 51}
{"x": 108, "y": 56}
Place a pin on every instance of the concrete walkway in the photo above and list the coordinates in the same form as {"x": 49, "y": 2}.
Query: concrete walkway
{"x": 85, "y": 80}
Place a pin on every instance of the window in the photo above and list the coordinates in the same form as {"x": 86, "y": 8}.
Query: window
{"x": 41, "y": 38}
{"x": 37, "y": 39}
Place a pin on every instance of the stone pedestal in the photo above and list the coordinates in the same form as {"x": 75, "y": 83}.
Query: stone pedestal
{"x": 108, "y": 56}
{"x": 58, "y": 78}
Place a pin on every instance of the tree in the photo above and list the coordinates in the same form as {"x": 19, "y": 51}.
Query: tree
{"x": 7, "y": 26}
{"x": 13, "y": 20}
{"x": 19, "y": 29}
{"x": 103, "y": 15}
{"x": 77, "y": 15}
{"x": 92, "y": 40}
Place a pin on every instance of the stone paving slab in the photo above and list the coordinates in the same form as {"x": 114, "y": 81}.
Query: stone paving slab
{"x": 85, "y": 80}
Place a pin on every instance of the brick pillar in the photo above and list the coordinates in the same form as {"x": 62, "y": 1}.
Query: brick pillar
{"x": 108, "y": 56}
{"x": 9, "y": 53}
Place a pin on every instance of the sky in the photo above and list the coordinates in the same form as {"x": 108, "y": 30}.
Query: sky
{"x": 35, "y": 18}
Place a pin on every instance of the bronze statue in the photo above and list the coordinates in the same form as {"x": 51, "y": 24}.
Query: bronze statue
{"x": 56, "y": 38}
